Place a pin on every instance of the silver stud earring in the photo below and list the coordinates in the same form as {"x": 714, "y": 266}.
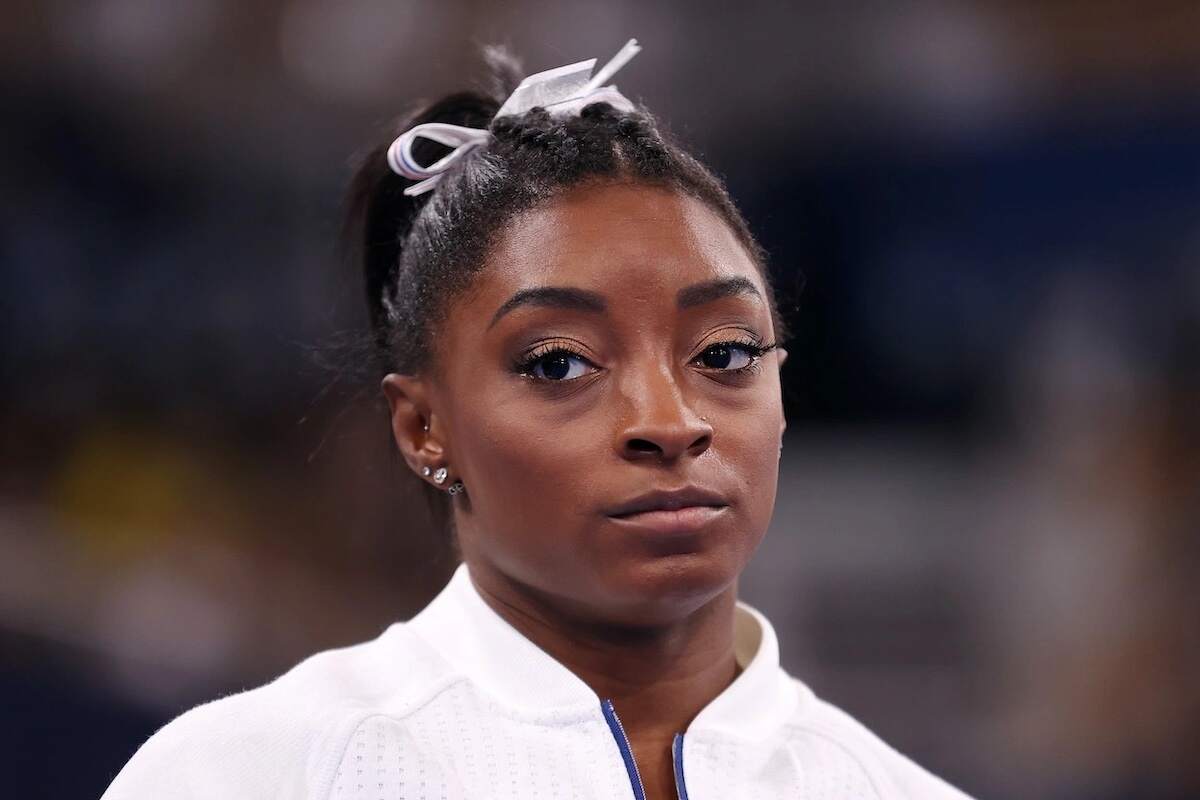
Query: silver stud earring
{"x": 426, "y": 471}
{"x": 425, "y": 427}
{"x": 439, "y": 475}
{"x": 456, "y": 487}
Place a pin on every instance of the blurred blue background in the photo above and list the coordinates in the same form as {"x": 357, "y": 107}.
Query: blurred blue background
{"x": 986, "y": 543}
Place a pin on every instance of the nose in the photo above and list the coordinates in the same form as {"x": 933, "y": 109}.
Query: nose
{"x": 660, "y": 424}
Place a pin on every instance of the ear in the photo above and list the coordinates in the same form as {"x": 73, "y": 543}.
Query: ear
{"x": 410, "y": 411}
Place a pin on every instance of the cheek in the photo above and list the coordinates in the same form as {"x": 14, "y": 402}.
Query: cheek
{"x": 529, "y": 475}
{"x": 747, "y": 445}
{"x": 511, "y": 456}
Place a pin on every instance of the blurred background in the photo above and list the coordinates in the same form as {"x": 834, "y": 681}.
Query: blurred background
{"x": 986, "y": 545}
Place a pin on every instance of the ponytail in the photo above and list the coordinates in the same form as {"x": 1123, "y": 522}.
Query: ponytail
{"x": 379, "y": 216}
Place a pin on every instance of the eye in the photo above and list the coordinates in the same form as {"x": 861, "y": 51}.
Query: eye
{"x": 556, "y": 365}
{"x": 730, "y": 356}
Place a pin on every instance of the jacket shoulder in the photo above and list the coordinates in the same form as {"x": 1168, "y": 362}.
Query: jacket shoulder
{"x": 283, "y": 739}
{"x": 899, "y": 777}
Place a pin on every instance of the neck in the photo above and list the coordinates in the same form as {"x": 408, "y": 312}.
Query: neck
{"x": 657, "y": 677}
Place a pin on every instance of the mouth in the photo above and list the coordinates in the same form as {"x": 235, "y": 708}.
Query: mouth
{"x": 685, "y": 510}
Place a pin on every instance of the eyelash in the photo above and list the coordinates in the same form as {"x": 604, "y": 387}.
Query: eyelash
{"x": 526, "y": 365}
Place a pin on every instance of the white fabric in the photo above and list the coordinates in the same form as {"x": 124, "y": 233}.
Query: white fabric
{"x": 457, "y": 704}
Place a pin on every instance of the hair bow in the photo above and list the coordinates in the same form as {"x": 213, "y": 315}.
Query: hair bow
{"x": 561, "y": 91}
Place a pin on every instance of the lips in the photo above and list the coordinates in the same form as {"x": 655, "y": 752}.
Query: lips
{"x": 691, "y": 519}
{"x": 669, "y": 500}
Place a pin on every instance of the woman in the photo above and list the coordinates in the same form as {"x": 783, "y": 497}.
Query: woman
{"x": 580, "y": 343}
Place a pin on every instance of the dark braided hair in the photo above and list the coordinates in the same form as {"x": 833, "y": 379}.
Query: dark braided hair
{"x": 418, "y": 252}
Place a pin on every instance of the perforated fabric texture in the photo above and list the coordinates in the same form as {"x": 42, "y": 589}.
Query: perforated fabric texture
{"x": 456, "y": 704}
{"x": 460, "y": 746}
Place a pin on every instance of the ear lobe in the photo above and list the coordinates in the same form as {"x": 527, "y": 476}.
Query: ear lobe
{"x": 408, "y": 406}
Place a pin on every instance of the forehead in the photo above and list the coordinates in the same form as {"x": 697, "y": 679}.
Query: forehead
{"x": 628, "y": 239}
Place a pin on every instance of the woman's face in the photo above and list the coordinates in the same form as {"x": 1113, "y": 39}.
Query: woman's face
{"x": 609, "y": 350}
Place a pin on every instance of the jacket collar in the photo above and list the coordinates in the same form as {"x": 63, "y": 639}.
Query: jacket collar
{"x": 479, "y": 644}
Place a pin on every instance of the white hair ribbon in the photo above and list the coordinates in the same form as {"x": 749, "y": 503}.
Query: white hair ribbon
{"x": 561, "y": 91}
{"x": 400, "y": 157}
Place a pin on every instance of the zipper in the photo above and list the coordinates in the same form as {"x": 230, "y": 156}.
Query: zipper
{"x": 677, "y": 761}
{"x": 618, "y": 732}
{"x": 635, "y": 777}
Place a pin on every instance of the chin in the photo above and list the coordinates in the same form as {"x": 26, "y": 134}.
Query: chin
{"x": 666, "y": 588}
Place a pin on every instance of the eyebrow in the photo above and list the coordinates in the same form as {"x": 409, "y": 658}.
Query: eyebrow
{"x": 706, "y": 292}
{"x": 552, "y": 297}
{"x": 593, "y": 302}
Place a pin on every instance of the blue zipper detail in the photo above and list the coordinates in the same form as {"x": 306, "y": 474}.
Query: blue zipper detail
{"x": 677, "y": 757}
{"x": 618, "y": 732}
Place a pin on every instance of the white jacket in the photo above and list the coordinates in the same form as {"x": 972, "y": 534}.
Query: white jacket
{"x": 457, "y": 704}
